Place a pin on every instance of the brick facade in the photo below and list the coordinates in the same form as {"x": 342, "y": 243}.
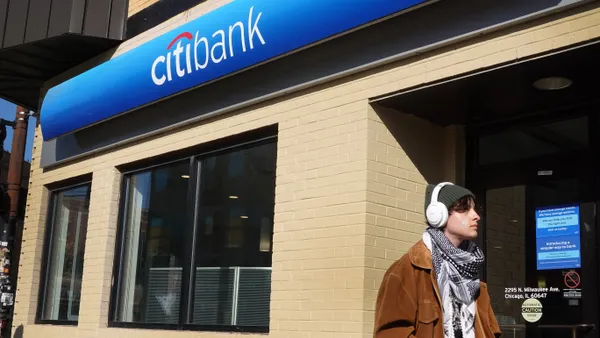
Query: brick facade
{"x": 138, "y": 5}
{"x": 350, "y": 184}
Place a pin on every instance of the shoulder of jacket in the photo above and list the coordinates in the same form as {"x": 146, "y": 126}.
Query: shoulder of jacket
{"x": 401, "y": 268}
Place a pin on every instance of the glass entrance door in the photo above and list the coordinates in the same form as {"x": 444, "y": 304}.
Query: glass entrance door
{"x": 541, "y": 228}
{"x": 542, "y": 259}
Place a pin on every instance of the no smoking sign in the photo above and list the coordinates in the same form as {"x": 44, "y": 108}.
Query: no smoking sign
{"x": 572, "y": 279}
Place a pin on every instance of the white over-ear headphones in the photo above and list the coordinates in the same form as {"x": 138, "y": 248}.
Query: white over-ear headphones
{"x": 437, "y": 212}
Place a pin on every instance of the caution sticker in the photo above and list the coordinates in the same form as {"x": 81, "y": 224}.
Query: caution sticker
{"x": 531, "y": 310}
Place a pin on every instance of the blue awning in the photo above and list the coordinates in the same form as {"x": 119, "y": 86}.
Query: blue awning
{"x": 239, "y": 35}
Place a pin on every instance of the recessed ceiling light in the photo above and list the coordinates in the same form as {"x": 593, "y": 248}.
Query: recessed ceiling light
{"x": 185, "y": 176}
{"x": 233, "y": 197}
{"x": 244, "y": 217}
{"x": 552, "y": 83}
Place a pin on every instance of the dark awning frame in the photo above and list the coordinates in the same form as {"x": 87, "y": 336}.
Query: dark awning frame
{"x": 41, "y": 39}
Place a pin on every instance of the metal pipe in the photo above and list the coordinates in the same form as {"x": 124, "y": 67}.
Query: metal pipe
{"x": 17, "y": 156}
{"x": 11, "y": 238}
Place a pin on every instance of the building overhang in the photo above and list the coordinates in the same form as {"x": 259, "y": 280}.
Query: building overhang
{"x": 25, "y": 68}
{"x": 40, "y": 39}
{"x": 507, "y": 91}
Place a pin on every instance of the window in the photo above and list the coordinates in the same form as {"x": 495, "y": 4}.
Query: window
{"x": 65, "y": 247}
{"x": 196, "y": 243}
{"x": 153, "y": 258}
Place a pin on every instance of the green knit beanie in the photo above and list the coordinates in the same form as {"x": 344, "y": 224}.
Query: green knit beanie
{"x": 448, "y": 194}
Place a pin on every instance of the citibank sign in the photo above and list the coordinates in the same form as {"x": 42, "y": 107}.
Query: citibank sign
{"x": 230, "y": 39}
{"x": 199, "y": 51}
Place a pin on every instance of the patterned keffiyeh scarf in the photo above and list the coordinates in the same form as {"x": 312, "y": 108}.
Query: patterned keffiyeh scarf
{"x": 460, "y": 272}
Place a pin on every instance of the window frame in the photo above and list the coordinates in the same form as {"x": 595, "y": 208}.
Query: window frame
{"x": 53, "y": 191}
{"x": 195, "y": 156}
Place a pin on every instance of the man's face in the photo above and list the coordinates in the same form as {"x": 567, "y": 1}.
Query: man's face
{"x": 463, "y": 225}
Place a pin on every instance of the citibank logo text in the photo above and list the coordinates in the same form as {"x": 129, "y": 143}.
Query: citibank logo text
{"x": 199, "y": 53}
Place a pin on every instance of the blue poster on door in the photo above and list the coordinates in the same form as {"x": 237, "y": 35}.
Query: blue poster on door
{"x": 558, "y": 239}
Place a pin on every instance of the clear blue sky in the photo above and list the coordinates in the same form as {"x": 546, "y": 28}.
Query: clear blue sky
{"x": 7, "y": 112}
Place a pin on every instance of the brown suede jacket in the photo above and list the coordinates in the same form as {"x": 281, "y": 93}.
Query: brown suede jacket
{"x": 409, "y": 304}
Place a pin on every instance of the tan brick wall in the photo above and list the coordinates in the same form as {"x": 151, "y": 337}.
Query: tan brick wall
{"x": 176, "y": 21}
{"x": 99, "y": 251}
{"x": 335, "y": 227}
{"x": 138, "y": 5}
{"x": 32, "y": 246}
{"x": 404, "y": 154}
